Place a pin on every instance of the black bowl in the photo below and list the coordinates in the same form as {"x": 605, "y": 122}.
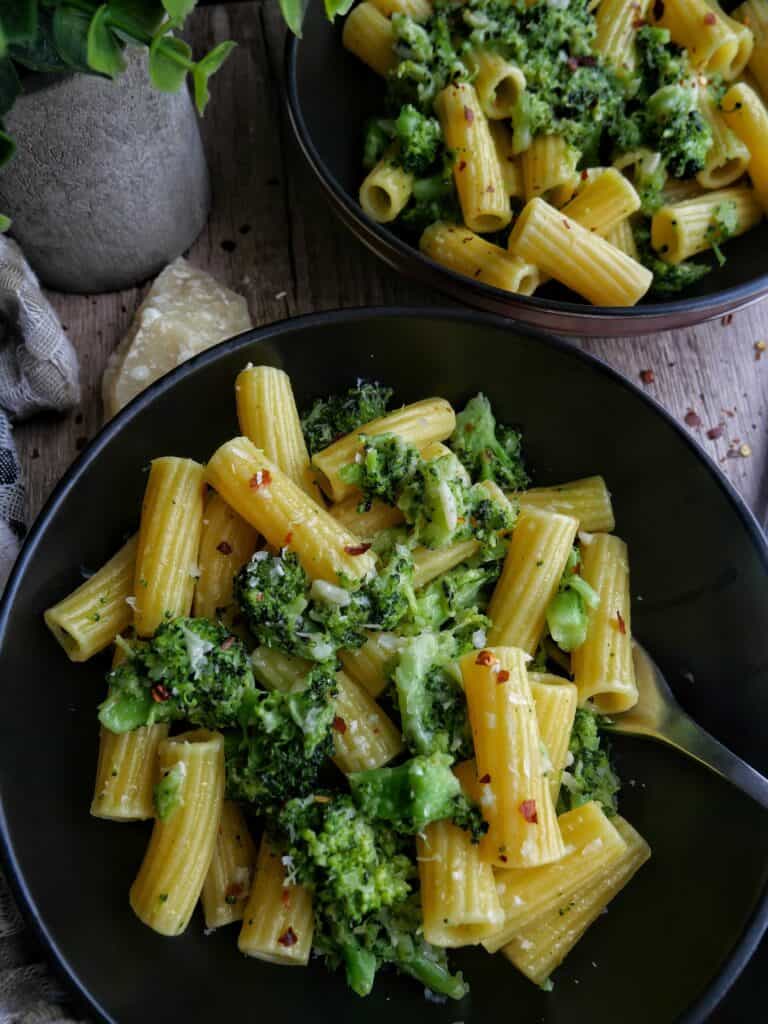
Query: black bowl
{"x": 331, "y": 95}
{"x": 694, "y": 914}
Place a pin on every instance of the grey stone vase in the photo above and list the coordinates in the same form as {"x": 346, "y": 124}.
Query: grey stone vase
{"x": 109, "y": 182}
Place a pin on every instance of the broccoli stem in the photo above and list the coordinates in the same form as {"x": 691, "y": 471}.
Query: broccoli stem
{"x": 436, "y": 187}
{"x": 124, "y": 712}
{"x": 361, "y": 967}
{"x": 435, "y": 976}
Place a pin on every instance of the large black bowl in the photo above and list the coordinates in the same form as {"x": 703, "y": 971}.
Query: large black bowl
{"x": 331, "y": 94}
{"x": 671, "y": 944}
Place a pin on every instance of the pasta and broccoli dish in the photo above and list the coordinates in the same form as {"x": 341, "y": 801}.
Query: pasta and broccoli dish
{"x": 603, "y": 144}
{"x": 360, "y": 673}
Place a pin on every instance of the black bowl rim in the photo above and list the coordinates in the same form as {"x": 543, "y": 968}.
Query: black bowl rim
{"x": 644, "y": 318}
{"x": 698, "y": 1012}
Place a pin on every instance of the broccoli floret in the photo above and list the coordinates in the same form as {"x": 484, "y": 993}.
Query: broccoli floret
{"x": 487, "y": 450}
{"x": 284, "y": 741}
{"x": 366, "y": 914}
{"x": 465, "y": 588}
{"x": 435, "y": 501}
{"x": 420, "y": 139}
{"x": 591, "y": 775}
{"x": 568, "y": 611}
{"x": 433, "y": 199}
{"x": 412, "y": 40}
{"x": 192, "y": 669}
{"x": 668, "y": 278}
{"x": 415, "y": 794}
{"x": 385, "y": 463}
{"x": 331, "y": 418}
{"x": 678, "y": 130}
{"x": 660, "y": 62}
{"x": 724, "y": 225}
{"x": 378, "y": 136}
{"x": 433, "y": 709}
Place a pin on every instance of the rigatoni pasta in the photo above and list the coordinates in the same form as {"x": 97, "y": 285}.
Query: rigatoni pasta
{"x": 226, "y": 544}
{"x": 587, "y": 500}
{"x": 228, "y": 882}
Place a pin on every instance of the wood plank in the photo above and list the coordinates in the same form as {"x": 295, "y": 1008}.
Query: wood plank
{"x": 273, "y": 236}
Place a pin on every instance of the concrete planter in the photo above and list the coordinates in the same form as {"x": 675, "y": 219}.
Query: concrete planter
{"x": 109, "y": 182}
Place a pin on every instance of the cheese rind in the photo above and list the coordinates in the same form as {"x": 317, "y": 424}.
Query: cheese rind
{"x": 185, "y": 312}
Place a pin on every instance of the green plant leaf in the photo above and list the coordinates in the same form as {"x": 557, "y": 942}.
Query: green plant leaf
{"x": 293, "y": 12}
{"x": 179, "y": 9}
{"x": 105, "y": 54}
{"x": 334, "y": 8}
{"x": 41, "y": 53}
{"x": 19, "y": 20}
{"x": 3, "y": 42}
{"x": 7, "y": 147}
{"x": 70, "y": 34}
{"x": 205, "y": 68}
{"x": 145, "y": 14}
{"x": 166, "y": 70}
{"x": 5, "y": 223}
{"x": 10, "y": 86}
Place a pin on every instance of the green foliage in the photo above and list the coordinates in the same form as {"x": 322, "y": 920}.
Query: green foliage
{"x": 487, "y": 450}
{"x": 414, "y": 794}
{"x": 384, "y": 466}
{"x": 192, "y": 669}
{"x": 591, "y": 775}
{"x": 420, "y": 139}
{"x": 283, "y": 743}
{"x": 330, "y": 418}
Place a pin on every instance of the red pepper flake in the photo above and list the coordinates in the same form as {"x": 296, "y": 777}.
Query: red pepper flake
{"x": 262, "y": 478}
{"x": 585, "y": 175}
{"x": 356, "y": 549}
{"x": 503, "y": 676}
{"x": 339, "y": 724}
{"x": 692, "y": 419}
{"x": 469, "y": 115}
{"x": 234, "y": 892}
{"x": 647, "y": 376}
{"x": 288, "y": 538}
{"x": 485, "y": 779}
{"x": 529, "y": 812}
{"x": 225, "y": 548}
{"x": 160, "y": 693}
{"x": 639, "y": 23}
{"x": 710, "y": 19}
{"x": 727, "y": 320}
{"x": 621, "y": 624}
{"x": 288, "y": 938}
{"x": 567, "y": 225}
{"x": 227, "y": 643}
{"x": 572, "y": 63}
{"x": 490, "y": 189}
{"x": 503, "y": 858}
{"x": 715, "y": 432}
{"x": 462, "y": 165}
{"x": 485, "y": 658}
{"x": 285, "y": 897}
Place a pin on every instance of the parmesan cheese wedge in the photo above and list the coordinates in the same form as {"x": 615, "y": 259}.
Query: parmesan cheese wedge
{"x": 185, "y": 312}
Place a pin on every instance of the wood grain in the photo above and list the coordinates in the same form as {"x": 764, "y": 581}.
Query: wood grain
{"x": 272, "y": 236}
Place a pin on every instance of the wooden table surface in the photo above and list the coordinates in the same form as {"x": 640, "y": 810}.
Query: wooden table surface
{"x": 272, "y": 237}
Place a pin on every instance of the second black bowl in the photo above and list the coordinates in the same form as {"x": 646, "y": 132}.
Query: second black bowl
{"x": 331, "y": 95}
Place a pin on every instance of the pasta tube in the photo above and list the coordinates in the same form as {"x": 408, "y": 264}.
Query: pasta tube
{"x": 533, "y": 568}
{"x": 754, "y": 15}
{"x": 476, "y": 170}
{"x": 577, "y": 258}
{"x": 691, "y": 227}
{"x": 587, "y": 500}
{"x": 715, "y": 42}
{"x": 369, "y": 35}
{"x": 367, "y": 524}
{"x": 364, "y": 736}
{"x": 556, "y": 702}
{"x": 728, "y": 158}
{"x": 180, "y": 851}
{"x": 591, "y": 842}
{"x": 228, "y": 882}
{"x": 126, "y": 773}
{"x": 466, "y": 253}
{"x": 89, "y": 619}
{"x": 432, "y": 419}
{"x": 368, "y": 665}
{"x": 267, "y": 413}
{"x": 226, "y": 544}
{"x": 745, "y": 114}
{"x": 511, "y": 170}
{"x": 603, "y": 203}
{"x": 459, "y": 901}
{"x": 514, "y": 792}
{"x": 386, "y": 189}
{"x": 548, "y": 163}
{"x": 169, "y": 539}
{"x": 278, "y": 921}
{"x": 429, "y": 563}
{"x": 602, "y": 666}
{"x": 538, "y": 949}
{"x": 617, "y": 25}
{"x": 622, "y": 237}
{"x": 285, "y": 514}
{"x": 498, "y": 83}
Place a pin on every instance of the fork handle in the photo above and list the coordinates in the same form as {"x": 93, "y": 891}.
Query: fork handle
{"x": 689, "y": 738}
